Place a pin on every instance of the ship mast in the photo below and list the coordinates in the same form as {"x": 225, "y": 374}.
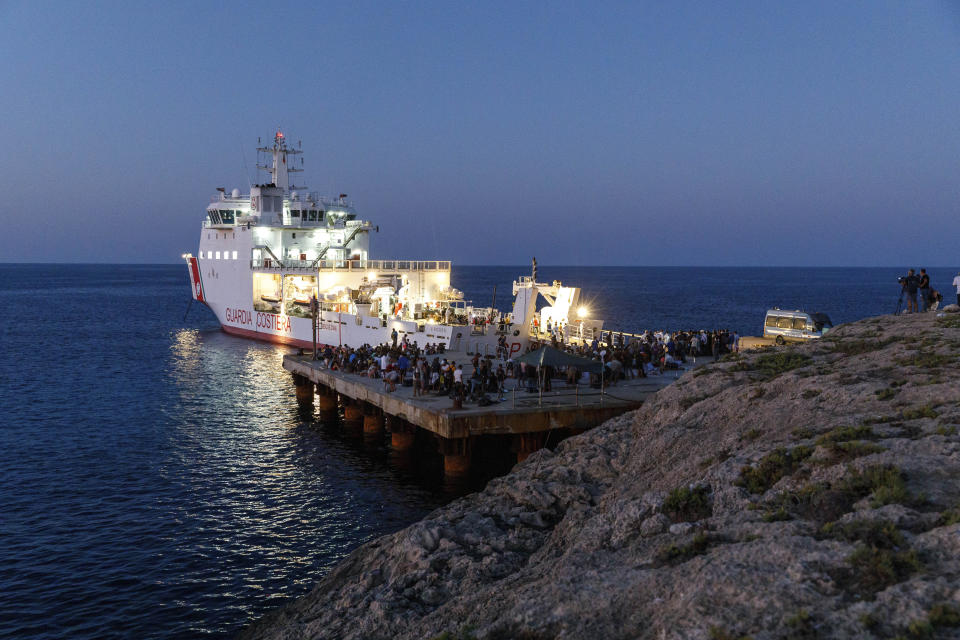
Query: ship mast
{"x": 279, "y": 168}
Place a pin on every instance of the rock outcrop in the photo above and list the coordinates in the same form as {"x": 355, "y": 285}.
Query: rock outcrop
{"x": 798, "y": 493}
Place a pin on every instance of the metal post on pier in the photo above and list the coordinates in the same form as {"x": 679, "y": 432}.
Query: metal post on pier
{"x": 314, "y": 309}
{"x": 602, "y": 367}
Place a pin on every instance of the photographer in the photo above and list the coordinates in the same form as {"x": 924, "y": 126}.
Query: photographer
{"x": 924, "y": 289}
{"x": 910, "y": 283}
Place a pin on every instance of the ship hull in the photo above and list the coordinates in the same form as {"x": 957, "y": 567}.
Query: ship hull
{"x": 226, "y": 287}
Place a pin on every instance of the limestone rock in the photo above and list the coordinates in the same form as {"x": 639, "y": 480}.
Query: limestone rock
{"x": 814, "y": 455}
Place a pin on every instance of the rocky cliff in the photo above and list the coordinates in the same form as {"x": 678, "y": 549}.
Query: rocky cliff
{"x": 799, "y": 493}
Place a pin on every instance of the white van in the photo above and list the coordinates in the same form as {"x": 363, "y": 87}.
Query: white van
{"x": 795, "y": 326}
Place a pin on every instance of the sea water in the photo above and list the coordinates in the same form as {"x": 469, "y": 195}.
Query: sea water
{"x": 158, "y": 481}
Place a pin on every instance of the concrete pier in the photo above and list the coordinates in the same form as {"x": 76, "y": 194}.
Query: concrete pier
{"x": 529, "y": 418}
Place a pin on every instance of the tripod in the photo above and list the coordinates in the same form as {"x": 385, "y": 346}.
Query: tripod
{"x": 899, "y": 304}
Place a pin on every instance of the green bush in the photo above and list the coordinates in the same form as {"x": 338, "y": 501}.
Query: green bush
{"x": 801, "y": 626}
{"x": 842, "y": 434}
{"x": 686, "y": 504}
{"x": 874, "y": 569}
{"x": 824, "y": 502}
{"x": 772, "y": 467}
{"x": 676, "y": 554}
{"x": 852, "y": 449}
{"x": 950, "y": 322}
{"x": 915, "y": 413}
{"x": 885, "y": 394}
{"x": 771, "y": 365}
{"x": 926, "y": 360}
{"x": 944, "y": 615}
{"x": 857, "y": 347}
{"x": 948, "y": 517}
{"x": 777, "y": 516}
{"x": 886, "y": 483}
{"x": 875, "y": 533}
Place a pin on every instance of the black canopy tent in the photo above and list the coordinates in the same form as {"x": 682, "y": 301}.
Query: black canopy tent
{"x": 548, "y": 356}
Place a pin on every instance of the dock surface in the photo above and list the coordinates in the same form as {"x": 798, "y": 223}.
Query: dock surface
{"x": 520, "y": 411}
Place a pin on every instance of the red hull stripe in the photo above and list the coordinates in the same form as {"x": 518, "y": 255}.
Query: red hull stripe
{"x": 195, "y": 280}
{"x": 268, "y": 337}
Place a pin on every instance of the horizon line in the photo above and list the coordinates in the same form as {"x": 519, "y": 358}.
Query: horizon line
{"x": 540, "y": 264}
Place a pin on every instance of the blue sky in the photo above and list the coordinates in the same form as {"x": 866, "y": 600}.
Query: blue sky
{"x": 743, "y": 133}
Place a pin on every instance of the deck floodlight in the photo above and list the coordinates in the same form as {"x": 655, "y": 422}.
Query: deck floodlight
{"x": 582, "y": 312}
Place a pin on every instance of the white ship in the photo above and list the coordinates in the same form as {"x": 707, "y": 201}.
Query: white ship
{"x": 265, "y": 256}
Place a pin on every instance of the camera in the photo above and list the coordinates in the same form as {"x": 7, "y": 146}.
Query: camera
{"x": 901, "y": 279}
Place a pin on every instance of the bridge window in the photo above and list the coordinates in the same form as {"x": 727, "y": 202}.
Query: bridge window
{"x": 226, "y": 215}
{"x": 234, "y": 255}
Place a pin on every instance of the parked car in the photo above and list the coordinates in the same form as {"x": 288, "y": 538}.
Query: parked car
{"x": 795, "y": 326}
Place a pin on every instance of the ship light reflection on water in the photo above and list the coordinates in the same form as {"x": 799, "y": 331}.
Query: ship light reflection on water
{"x": 260, "y": 487}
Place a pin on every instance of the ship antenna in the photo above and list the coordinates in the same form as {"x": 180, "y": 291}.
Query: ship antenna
{"x": 246, "y": 167}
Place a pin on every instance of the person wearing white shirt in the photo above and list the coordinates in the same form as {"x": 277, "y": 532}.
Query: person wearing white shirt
{"x": 956, "y": 283}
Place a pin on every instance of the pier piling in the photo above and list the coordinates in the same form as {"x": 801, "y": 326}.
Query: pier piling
{"x": 522, "y": 422}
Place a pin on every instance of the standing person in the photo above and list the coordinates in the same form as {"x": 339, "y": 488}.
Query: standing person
{"x": 924, "y": 289}
{"x": 910, "y": 285}
{"x": 956, "y": 283}
{"x": 393, "y": 335}
{"x": 417, "y": 373}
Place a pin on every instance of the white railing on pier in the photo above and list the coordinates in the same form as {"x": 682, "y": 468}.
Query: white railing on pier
{"x": 351, "y": 265}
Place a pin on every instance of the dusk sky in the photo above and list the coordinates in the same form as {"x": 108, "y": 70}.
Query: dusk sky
{"x": 593, "y": 133}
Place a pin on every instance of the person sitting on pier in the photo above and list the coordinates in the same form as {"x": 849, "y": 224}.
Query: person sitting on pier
{"x": 616, "y": 370}
{"x": 386, "y": 378}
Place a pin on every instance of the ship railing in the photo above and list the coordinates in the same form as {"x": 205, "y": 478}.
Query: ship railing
{"x": 242, "y": 200}
{"x": 310, "y": 201}
{"x": 352, "y": 265}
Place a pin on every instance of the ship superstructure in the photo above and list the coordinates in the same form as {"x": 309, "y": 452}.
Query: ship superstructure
{"x": 270, "y": 258}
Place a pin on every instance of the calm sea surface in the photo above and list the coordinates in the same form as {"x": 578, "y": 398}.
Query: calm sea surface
{"x": 158, "y": 481}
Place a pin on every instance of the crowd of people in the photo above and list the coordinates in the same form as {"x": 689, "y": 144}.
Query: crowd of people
{"x": 914, "y": 285}
{"x": 429, "y": 370}
{"x": 920, "y": 294}
{"x": 628, "y": 356}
